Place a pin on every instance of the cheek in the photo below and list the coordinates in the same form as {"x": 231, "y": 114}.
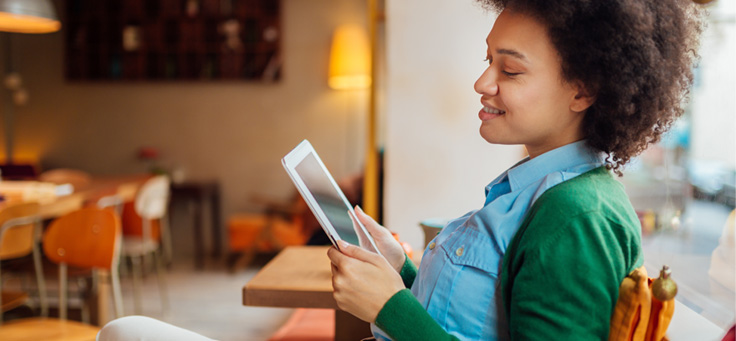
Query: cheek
{"x": 524, "y": 100}
{"x": 536, "y": 100}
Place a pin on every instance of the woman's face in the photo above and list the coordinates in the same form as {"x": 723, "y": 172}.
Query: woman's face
{"x": 525, "y": 99}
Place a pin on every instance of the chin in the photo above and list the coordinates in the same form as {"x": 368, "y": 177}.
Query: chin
{"x": 495, "y": 139}
{"x": 490, "y": 137}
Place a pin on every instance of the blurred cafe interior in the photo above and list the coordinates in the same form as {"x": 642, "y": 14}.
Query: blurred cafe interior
{"x": 142, "y": 142}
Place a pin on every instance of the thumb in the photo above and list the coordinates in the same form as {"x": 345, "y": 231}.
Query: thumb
{"x": 373, "y": 227}
{"x": 357, "y": 252}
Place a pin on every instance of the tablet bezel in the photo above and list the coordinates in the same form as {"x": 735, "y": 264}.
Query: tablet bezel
{"x": 290, "y": 161}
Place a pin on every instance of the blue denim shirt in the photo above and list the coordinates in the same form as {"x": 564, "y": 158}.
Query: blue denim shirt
{"x": 457, "y": 281}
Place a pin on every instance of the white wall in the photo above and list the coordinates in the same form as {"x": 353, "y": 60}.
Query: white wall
{"x": 436, "y": 162}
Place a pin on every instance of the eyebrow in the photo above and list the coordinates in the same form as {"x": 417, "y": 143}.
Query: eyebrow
{"x": 513, "y": 53}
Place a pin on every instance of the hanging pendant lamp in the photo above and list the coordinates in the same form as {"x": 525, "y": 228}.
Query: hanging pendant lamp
{"x": 28, "y": 16}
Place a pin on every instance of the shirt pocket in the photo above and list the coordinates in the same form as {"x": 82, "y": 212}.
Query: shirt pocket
{"x": 474, "y": 305}
{"x": 472, "y": 248}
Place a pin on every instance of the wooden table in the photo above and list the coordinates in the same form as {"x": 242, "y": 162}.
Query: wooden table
{"x": 300, "y": 277}
{"x": 125, "y": 186}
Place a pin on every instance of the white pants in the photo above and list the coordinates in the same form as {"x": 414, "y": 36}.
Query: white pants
{"x": 145, "y": 328}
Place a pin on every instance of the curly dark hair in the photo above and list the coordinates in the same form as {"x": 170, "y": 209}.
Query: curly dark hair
{"x": 635, "y": 56}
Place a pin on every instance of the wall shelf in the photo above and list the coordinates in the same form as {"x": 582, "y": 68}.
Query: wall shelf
{"x": 135, "y": 40}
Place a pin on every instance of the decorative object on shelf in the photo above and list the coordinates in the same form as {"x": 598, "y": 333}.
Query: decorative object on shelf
{"x": 350, "y": 59}
{"x": 151, "y": 157}
{"x": 113, "y": 40}
{"x": 192, "y": 8}
{"x": 131, "y": 38}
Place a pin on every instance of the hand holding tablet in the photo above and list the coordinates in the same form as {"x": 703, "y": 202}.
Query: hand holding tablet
{"x": 325, "y": 198}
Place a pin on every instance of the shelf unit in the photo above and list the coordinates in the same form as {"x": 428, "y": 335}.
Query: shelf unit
{"x": 134, "y": 40}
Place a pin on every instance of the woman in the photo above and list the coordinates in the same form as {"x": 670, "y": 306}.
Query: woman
{"x": 584, "y": 86}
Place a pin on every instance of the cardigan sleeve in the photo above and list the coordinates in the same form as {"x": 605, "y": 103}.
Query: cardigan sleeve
{"x": 404, "y": 319}
{"x": 408, "y": 272}
{"x": 565, "y": 280}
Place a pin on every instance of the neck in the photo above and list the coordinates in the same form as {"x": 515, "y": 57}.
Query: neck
{"x": 536, "y": 150}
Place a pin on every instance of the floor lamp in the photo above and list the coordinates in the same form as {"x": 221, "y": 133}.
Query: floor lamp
{"x": 350, "y": 70}
{"x": 22, "y": 16}
{"x": 365, "y": 78}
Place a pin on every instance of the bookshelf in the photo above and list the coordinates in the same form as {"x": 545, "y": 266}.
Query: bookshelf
{"x": 159, "y": 40}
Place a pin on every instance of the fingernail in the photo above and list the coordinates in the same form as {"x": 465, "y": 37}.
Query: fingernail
{"x": 357, "y": 208}
{"x": 343, "y": 244}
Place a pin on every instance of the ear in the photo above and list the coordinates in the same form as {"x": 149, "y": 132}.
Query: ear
{"x": 582, "y": 99}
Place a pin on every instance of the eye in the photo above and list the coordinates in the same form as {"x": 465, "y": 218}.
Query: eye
{"x": 489, "y": 60}
{"x": 511, "y": 74}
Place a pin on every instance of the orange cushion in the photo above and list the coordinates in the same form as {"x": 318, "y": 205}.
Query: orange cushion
{"x": 244, "y": 229}
{"x": 307, "y": 325}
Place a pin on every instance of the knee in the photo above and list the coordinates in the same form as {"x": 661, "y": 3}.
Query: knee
{"x": 145, "y": 328}
{"x": 126, "y": 328}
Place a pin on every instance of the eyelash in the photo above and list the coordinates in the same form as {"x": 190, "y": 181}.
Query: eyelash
{"x": 508, "y": 74}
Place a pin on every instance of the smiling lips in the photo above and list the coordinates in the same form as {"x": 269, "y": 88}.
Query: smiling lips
{"x": 488, "y": 113}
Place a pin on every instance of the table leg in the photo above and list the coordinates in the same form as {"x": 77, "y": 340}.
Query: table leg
{"x": 349, "y": 327}
{"x": 198, "y": 242}
{"x": 100, "y": 300}
{"x": 216, "y": 227}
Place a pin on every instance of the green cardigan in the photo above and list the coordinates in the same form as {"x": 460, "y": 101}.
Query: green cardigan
{"x": 561, "y": 272}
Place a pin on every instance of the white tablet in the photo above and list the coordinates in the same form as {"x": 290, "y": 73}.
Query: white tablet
{"x": 325, "y": 198}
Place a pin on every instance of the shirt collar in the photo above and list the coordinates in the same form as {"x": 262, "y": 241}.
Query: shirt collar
{"x": 557, "y": 160}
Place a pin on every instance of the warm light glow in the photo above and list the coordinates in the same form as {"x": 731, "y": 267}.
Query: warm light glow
{"x": 350, "y": 59}
{"x": 22, "y": 157}
{"x": 27, "y": 24}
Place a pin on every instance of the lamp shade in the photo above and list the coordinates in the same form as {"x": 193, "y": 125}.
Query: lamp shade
{"x": 350, "y": 59}
{"x": 28, "y": 16}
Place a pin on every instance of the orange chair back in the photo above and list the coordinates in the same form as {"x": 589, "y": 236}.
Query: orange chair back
{"x": 133, "y": 223}
{"x": 17, "y": 241}
{"x": 88, "y": 237}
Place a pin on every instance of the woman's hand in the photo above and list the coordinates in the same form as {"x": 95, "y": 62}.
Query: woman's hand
{"x": 362, "y": 281}
{"x": 388, "y": 245}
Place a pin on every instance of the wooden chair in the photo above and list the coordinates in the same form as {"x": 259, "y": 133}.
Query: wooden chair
{"x": 86, "y": 238}
{"x": 638, "y": 315}
{"x": 281, "y": 225}
{"x": 89, "y": 237}
{"x": 19, "y": 231}
{"x": 150, "y": 206}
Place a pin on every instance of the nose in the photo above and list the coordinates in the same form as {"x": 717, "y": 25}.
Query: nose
{"x": 486, "y": 83}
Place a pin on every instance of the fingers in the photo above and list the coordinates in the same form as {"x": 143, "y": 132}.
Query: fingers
{"x": 336, "y": 257}
{"x": 359, "y": 253}
{"x": 373, "y": 227}
{"x": 363, "y": 238}
{"x": 348, "y": 253}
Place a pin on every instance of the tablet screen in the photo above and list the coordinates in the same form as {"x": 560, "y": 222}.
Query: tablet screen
{"x": 327, "y": 198}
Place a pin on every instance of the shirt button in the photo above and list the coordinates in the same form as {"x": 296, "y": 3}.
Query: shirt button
{"x": 459, "y": 252}
{"x": 431, "y": 246}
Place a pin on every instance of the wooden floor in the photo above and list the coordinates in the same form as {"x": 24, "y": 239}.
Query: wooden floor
{"x": 207, "y": 301}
